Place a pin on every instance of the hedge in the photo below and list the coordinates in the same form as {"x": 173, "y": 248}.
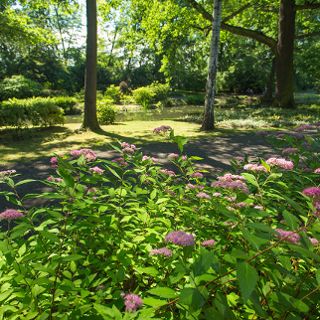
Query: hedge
{"x": 20, "y": 113}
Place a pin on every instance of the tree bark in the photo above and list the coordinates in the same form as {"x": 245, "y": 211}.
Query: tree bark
{"x": 208, "y": 119}
{"x": 90, "y": 120}
{"x": 284, "y": 56}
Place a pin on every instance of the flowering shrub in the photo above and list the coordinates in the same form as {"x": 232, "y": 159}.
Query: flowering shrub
{"x": 129, "y": 239}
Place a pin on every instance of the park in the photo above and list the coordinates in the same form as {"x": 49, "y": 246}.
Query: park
{"x": 159, "y": 159}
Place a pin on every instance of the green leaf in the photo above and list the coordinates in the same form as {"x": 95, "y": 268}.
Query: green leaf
{"x": 67, "y": 177}
{"x": 192, "y": 297}
{"x": 247, "y": 278}
{"x": 36, "y": 290}
{"x": 106, "y": 312}
{"x": 251, "y": 179}
{"x": 24, "y": 182}
{"x": 318, "y": 276}
{"x": 163, "y": 292}
{"x": 113, "y": 172}
{"x": 148, "y": 270}
{"x": 291, "y": 220}
{"x": 203, "y": 262}
{"x": 154, "y": 302}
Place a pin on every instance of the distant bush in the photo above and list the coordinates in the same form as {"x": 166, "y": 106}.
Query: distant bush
{"x": 24, "y": 112}
{"x": 19, "y": 87}
{"x": 106, "y": 112}
{"x": 155, "y": 94}
{"x": 68, "y": 104}
{"x": 114, "y": 93}
{"x": 144, "y": 96}
{"x": 195, "y": 99}
{"x": 161, "y": 91}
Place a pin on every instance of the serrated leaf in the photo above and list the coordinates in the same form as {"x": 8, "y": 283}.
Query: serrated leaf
{"x": 153, "y": 302}
{"x": 250, "y": 178}
{"x": 163, "y": 292}
{"x": 247, "y": 277}
{"x": 192, "y": 297}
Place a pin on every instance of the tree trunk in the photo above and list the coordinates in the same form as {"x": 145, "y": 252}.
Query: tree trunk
{"x": 208, "y": 120}
{"x": 268, "y": 93}
{"x": 284, "y": 56}
{"x": 90, "y": 120}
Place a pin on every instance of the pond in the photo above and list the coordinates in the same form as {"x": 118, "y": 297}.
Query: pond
{"x": 134, "y": 113}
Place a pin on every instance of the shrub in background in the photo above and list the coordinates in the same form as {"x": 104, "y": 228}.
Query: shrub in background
{"x": 18, "y": 86}
{"x": 144, "y": 96}
{"x": 68, "y": 104}
{"x": 20, "y": 113}
{"x": 157, "y": 94}
{"x": 113, "y": 92}
{"x": 106, "y": 112}
{"x": 161, "y": 91}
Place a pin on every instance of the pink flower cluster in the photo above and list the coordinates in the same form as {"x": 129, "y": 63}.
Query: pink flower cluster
{"x": 230, "y": 181}
{"x": 197, "y": 175}
{"x": 193, "y": 186}
{"x": 168, "y": 172}
{"x": 203, "y": 195}
{"x": 304, "y": 127}
{"x": 281, "y": 163}
{"x": 7, "y": 173}
{"x": 254, "y": 167}
{"x": 120, "y": 161}
{"x": 88, "y": 154}
{"x": 162, "y": 129}
{"x": 317, "y": 170}
{"x": 312, "y": 192}
{"x": 132, "y": 302}
{"x": 10, "y": 214}
{"x": 97, "y": 170}
{"x": 289, "y": 236}
{"x": 53, "y": 179}
{"x": 293, "y": 237}
{"x": 153, "y": 159}
{"x": 208, "y": 243}
{"x": 54, "y": 162}
{"x": 288, "y": 151}
{"x": 161, "y": 252}
{"x": 173, "y": 156}
{"x": 128, "y": 148}
{"x": 180, "y": 238}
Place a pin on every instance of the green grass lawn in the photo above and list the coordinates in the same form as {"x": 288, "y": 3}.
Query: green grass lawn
{"x": 135, "y": 125}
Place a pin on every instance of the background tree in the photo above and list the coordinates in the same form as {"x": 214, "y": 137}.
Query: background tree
{"x": 208, "y": 119}
{"x": 282, "y": 48}
{"x": 90, "y": 120}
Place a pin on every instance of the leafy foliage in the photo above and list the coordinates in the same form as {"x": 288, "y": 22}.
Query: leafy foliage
{"x": 19, "y": 87}
{"x": 34, "y": 111}
{"x": 241, "y": 252}
{"x": 106, "y": 112}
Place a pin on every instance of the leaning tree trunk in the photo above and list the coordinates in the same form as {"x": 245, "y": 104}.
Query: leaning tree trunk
{"x": 208, "y": 120}
{"x": 90, "y": 120}
{"x": 284, "y": 56}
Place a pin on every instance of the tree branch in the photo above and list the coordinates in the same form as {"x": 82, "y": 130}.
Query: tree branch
{"x": 232, "y": 15}
{"x": 308, "y": 35}
{"x": 252, "y": 34}
{"x": 308, "y": 6}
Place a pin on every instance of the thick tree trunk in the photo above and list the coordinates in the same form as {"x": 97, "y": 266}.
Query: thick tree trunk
{"x": 90, "y": 120}
{"x": 269, "y": 90}
{"x": 284, "y": 56}
{"x": 208, "y": 120}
